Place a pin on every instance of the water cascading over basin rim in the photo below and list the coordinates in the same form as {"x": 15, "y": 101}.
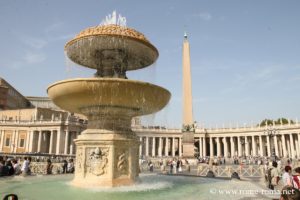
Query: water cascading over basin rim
{"x": 141, "y": 98}
{"x": 85, "y": 47}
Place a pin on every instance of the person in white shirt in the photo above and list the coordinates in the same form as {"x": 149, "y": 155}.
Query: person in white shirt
{"x": 25, "y": 166}
{"x": 287, "y": 177}
{"x": 16, "y": 167}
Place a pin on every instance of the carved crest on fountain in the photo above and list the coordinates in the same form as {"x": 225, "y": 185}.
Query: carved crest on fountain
{"x": 97, "y": 160}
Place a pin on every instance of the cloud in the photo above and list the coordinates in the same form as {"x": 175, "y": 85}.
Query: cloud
{"x": 265, "y": 76}
{"x": 34, "y": 58}
{"x": 53, "y": 27}
{"x": 203, "y": 15}
{"x": 35, "y": 43}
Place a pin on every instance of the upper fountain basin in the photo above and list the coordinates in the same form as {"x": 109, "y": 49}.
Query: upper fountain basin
{"x": 107, "y": 94}
{"x": 91, "y": 46}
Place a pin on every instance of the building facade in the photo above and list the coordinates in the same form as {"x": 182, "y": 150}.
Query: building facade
{"x": 39, "y": 130}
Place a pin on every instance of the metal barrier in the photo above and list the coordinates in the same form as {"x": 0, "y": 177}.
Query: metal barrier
{"x": 226, "y": 171}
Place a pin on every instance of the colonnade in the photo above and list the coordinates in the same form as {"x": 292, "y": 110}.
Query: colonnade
{"x": 52, "y": 141}
{"x": 160, "y": 146}
{"x": 256, "y": 144}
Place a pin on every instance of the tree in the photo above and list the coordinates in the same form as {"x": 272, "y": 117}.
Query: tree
{"x": 277, "y": 122}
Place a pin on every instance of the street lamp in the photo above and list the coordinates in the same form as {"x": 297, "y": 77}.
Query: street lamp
{"x": 271, "y": 132}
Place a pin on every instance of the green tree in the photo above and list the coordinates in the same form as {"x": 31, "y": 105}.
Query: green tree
{"x": 277, "y": 122}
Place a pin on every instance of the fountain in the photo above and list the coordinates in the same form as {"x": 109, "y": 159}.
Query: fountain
{"x": 107, "y": 151}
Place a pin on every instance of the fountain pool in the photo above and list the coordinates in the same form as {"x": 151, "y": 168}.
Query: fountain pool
{"x": 149, "y": 186}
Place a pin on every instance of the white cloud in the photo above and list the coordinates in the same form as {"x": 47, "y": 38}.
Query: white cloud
{"x": 33, "y": 58}
{"x": 203, "y": 15}
{"x": 36, "y": 43}
{"x": 53, "y": 27}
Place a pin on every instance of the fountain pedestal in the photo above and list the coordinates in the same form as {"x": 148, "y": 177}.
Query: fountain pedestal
{"x": 106, "y": 158}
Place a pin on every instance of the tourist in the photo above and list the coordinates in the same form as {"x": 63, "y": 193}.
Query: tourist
{"x": 296, "y": 178}
{"x": 289, "y": 193}
{"x": 174, "y": 163}
{"x": 286, "y": 177}
{"x": 275, "y": 175}
{"x": 71, "y": 166}
{"x": 150, "y": 166}
{"x": 2, "y": 167}
{"x": 64, "y": 167}
{"x": 171, "y": 166}
{"x": 16, "y": 167}
{"x": 179, "y": 165}
{"x": 188, "y": 167}
{"x": 25, "y": 166}
{"x": 49, "y": 167}
{"x": 11, "y": 170}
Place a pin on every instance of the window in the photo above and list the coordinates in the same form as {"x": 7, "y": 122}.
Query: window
{"x": 7, "y": 142}
{"x": 22, "y": 141}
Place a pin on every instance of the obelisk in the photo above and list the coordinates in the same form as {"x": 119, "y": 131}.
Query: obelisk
{"x": 188, "y": 128}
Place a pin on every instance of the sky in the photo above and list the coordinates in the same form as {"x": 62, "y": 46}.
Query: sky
{"x": 245, "y": 55}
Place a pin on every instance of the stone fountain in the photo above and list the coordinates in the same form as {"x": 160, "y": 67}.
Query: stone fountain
{"x": 107, "y": 151}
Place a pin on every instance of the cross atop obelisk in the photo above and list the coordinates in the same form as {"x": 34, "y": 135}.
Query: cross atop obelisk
{"x": 188, "y": 128}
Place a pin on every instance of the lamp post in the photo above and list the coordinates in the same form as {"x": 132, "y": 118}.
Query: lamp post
{"x": 270, "y": 131}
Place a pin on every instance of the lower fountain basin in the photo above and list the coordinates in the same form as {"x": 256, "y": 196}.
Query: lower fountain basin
{"x": 84, "y": 95}
{"x": 151, "y": 186}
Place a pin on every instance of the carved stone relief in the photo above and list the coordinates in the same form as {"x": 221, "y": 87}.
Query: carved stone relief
{"x": 97, "y": 160}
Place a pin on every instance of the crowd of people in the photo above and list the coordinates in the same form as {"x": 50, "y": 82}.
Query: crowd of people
{"x": 11, "y": 166}
{"x": 21, "y": 166}
{"x": 285, "y": 179}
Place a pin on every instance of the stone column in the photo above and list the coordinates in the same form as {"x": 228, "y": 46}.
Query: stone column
{"x": 261, "y": 146}
{"x": 298, "y": 143}
{"x": 225, "y": 147}
{"x": 204, "y": 147}
{"x": 141, "y": 146}
{"x": 218, "y": 146}
{"x": 268, "y": 146}
{"x": 147, "y": 146}
{"x": 276, "y": 145}
{"x": 200, "y": 147}
{"x": 26, "y": 142}
{"x": 289, "y": 148}
{"x": 173, "y": 146}
{"x": 166, "y": 147}
{"x": 292, "y": 145}
{"x": 297, "y": 148}
{"x": 31, "y": 134}
{"x": 66, "y": 141}
{"x": 153, "y": 146}
{"x": 39, "y": 142}
{"x": 12, "y": 147}
{"x": 160, "y": 147}
{"x": 254, "y": 147}
{"x": 58, "y": 141}
{"x": 180, "y": 147}
{"x": 232, "y": 147}
{"x": 283, "y": 145}
{"x": 16, "y": 141}
{"x": 211, "y": 146}
{"x": 2, "y": 140}
{"x": 51, "y": 142}
{"x": 246, "y": 146}
{"x": 239, "y": 146}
